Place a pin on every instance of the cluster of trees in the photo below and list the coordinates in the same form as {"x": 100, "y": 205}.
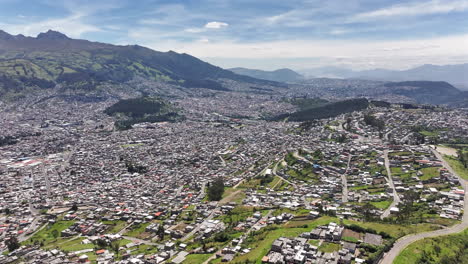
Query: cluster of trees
{"x": 138, "y": 107}
{"x": 12, "y": 243}
{"x": 132, "y": 168}
{"x": 143, "y": 109}
{"x": 216, "y": 190}
{"x": 327, "y": 110}
{"x": 407, "y": 206}
{"x": 371, "y": 120}
{"x": 208, "y": 84}
{"x": 7, "y": 140}
{"x": 267, "y": 179}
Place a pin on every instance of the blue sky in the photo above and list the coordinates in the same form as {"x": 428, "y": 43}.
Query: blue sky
{"x": 299, "y": 34}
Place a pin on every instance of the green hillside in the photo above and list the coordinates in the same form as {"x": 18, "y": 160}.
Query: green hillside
{"x": 144, "y": 109}
{"x": 318, "y": 111}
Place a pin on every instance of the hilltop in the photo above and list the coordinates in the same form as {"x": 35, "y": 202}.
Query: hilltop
{"x": 280, "y": 75}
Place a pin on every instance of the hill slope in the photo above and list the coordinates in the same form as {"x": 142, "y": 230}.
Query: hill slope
{"x": 426, "y": 92}
{"x": 327, "y": 110}
{"x": 454, "y": 74}
{"x": 81, "y": 64}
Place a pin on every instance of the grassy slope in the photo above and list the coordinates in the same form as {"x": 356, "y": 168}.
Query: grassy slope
{"x": 457, "y": 166}
{"x": 46, "y": 233}
{"x": 447, "y": 244}
{"x": 262, "y": 242}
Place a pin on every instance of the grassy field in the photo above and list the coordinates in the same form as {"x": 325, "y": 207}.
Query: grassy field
{"x": 46, "y": 234}
{"x": 232, "y": 195}
{"x": 115, "y": 226}
{"x": 69, "y": 244}
{"x": 429, "y": 173}
{"x": 329, "y": 247}
{"x": 196, "y": 258}
{"x": 275, "y": 182}
{"x": 382, "y": 204}
{"x": 137, "y": 230}
{"x": 429, "y": 133}
{"x": 457, "y": 166}
{"x": 437, "y": 250}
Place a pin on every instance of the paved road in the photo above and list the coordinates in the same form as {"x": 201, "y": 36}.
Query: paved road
{"x": 396, "y": 198}
{"x": 344, "y": 181}
{"x": 403, "y": 242}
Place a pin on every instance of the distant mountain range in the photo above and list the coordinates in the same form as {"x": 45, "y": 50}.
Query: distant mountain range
{"x": 52, "y": 59}
{"x": 53, "y": 64}
{"x": 456, "y": 75}
{"x": 280, "y": 75}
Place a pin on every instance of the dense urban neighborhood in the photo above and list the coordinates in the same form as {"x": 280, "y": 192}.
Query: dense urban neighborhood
{"x": 232, "y": 188}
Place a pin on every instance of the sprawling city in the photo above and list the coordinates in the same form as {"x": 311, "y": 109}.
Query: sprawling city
{"x": 116, "y": 153}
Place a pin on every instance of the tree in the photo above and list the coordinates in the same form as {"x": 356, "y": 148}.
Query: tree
{"x": 12, "y": 243}
{"x": 318, "y": 154}
{"x": 216, "y": 190}
{"x": 373, "y": 121}
{"x": 407, "y": 205}
{"x": 160, "y": 232}
{"x": 74, "y": 207}
{"x": 115, "y": 245}
{"x": 367, "y": 211}
{"x": 55, "y": 233}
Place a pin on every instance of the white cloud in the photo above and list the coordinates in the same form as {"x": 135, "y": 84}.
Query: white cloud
{"x": 353, "y": 53}
{"x": 72, "y": 26}
{"x": 195, "y": 30}
{"x": 414, "y": 9}
{"x": 216, "y": 25}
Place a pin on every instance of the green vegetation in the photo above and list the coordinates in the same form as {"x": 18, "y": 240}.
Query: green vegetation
{"x": 144, "y": 109}
{"x": 329, "y": 247}
{"x": 115, "y": 226}
{"x": 261, "y": 241}
{"x": 216, "y": 190}
{"x": 46, "y": 235}
{"x": 370, "y": 120}
{"x": 457, "y": 166}
{"x": 350, "y": 239}
{"x": 69, "y": 245}
{"x": 382, "y": 204}
{"x": 136, "y": 230}
{"x": 307, "y": 103}
{"x": 429, "y": 133}
{"x": 314, "y": 242}
{"x": 451, "y": 249}
{"x": 84, "y": 66}
{"x": 326, "y": 111}
{"x": 196, "y": 258}
{"x": 429, "y": 173}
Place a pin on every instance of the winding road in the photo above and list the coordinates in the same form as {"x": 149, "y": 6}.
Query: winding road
{"x": 405, "y": 241}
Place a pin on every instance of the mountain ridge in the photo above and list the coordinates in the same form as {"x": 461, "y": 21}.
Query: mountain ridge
{"x": 83, "y": 64}
{"x": 455, "y": 74}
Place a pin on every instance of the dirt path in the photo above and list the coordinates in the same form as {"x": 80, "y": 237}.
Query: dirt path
{"x": 446, "y": 151}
